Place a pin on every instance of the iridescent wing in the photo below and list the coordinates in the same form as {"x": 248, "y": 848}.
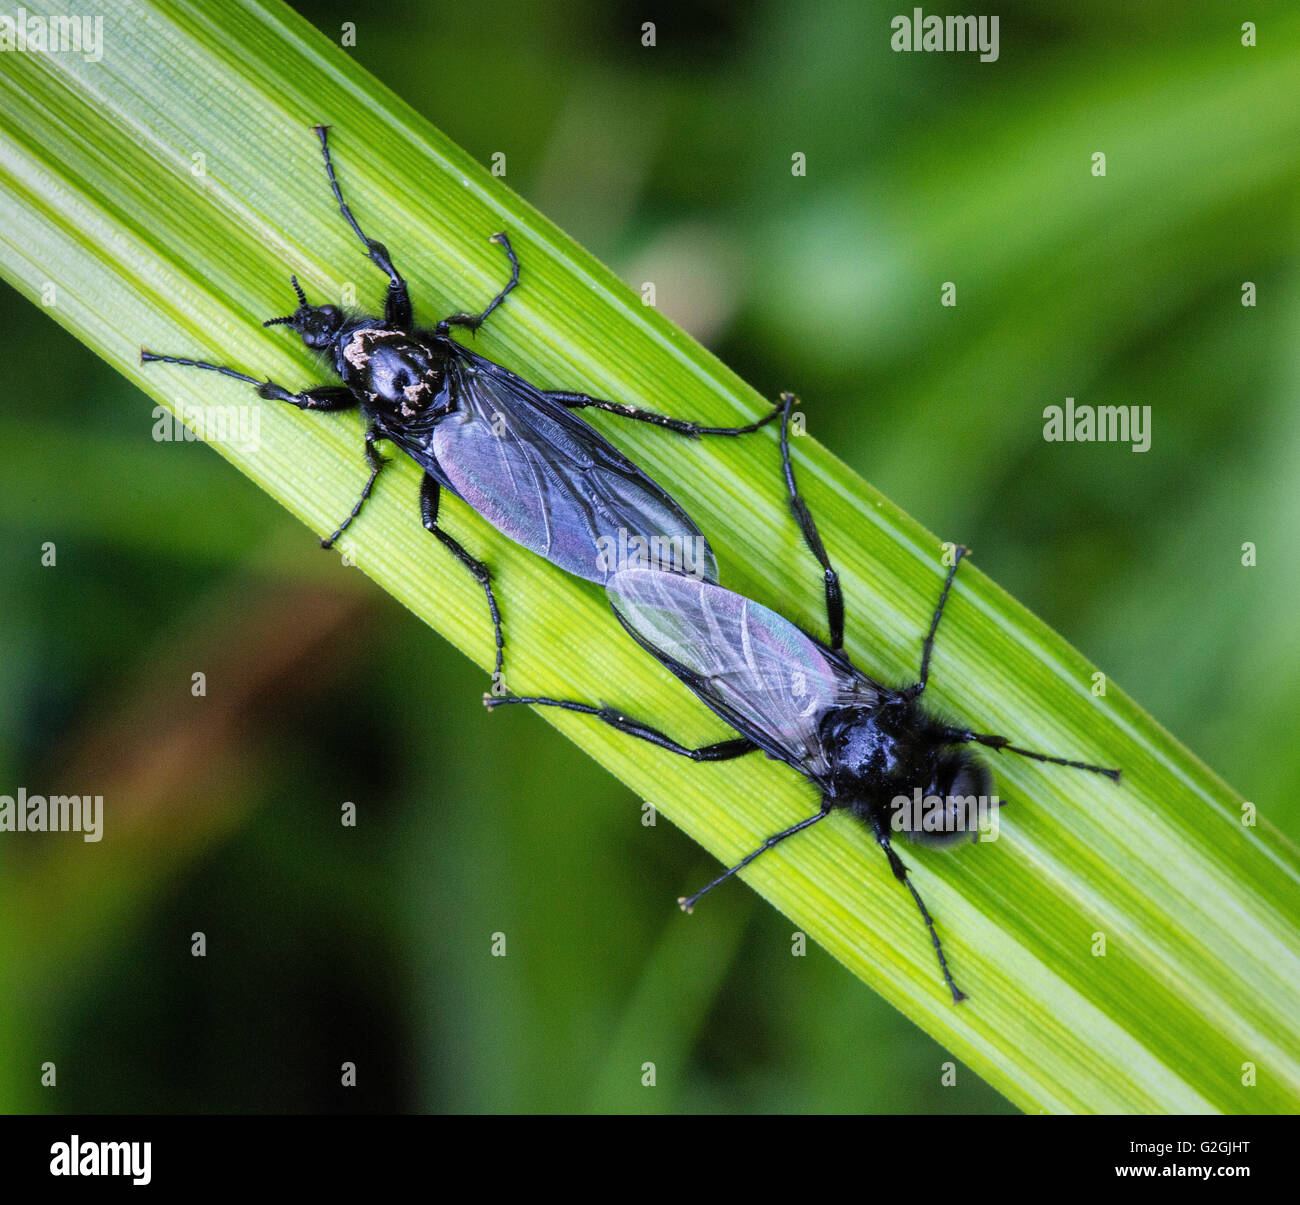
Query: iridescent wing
{"x": 550, "y": 482}
{"x": 758, "y": 671}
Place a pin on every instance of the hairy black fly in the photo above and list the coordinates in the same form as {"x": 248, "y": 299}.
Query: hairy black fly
{"x": 512, "y": 451}
{"x": 868, "y": 748}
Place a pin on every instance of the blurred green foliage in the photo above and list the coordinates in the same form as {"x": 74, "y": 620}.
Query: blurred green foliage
{"x": 673, "y": 165}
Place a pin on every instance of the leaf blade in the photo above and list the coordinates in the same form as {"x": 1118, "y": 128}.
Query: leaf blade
{"x": 1201, "y": 971}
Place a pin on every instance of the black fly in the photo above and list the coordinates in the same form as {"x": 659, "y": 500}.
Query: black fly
{"x": 512, "y": 451}
{"x": 869, "y": 748}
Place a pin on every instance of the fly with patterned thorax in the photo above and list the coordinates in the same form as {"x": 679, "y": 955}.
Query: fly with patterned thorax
{"x": 867, "y": 747}
{"x": 511, "y": 450}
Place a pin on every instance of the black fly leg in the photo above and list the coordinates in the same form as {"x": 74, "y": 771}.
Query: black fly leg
{"x": 900, "y": 873}
{"x": 579, "y": 401}
{"x": 722, "y": 751}
{"x": 397, "y": 305}
{"x": 323, "y": 397}
{"x": 149, "y": 357}
{"x": 687, "y": 902}
{"x": 928, "y": 647}
{"x": 958, "y": 736}
{"x": 803, "y": 517}
{"x": 474, "y": 321}
{"x": 1002, "y": 745}
{"x": 376, "y": 463}
{"x": 430, "y": 495}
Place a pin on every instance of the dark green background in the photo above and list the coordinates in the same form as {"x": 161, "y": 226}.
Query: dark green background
{"x": 673, "y": 165}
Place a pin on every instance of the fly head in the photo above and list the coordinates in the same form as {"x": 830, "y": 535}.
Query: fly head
{"x": 953, "y": 805}
{"x": 319, "y": 325}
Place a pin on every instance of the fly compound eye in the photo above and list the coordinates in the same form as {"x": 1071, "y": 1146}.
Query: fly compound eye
{"x": 972, "y": 779}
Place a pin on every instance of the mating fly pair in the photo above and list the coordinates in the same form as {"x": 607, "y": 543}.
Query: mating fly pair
{"x": 864, "y": 745}
{"x": 515, "y": 453}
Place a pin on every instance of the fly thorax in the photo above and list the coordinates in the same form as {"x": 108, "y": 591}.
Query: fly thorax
{"x": 872, "y": 749}
{"x": 397, "y": 374}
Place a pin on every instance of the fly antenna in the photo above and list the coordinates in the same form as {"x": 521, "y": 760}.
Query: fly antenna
{"x": 687, "y": 902}
{"x": 290, "y": 319}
